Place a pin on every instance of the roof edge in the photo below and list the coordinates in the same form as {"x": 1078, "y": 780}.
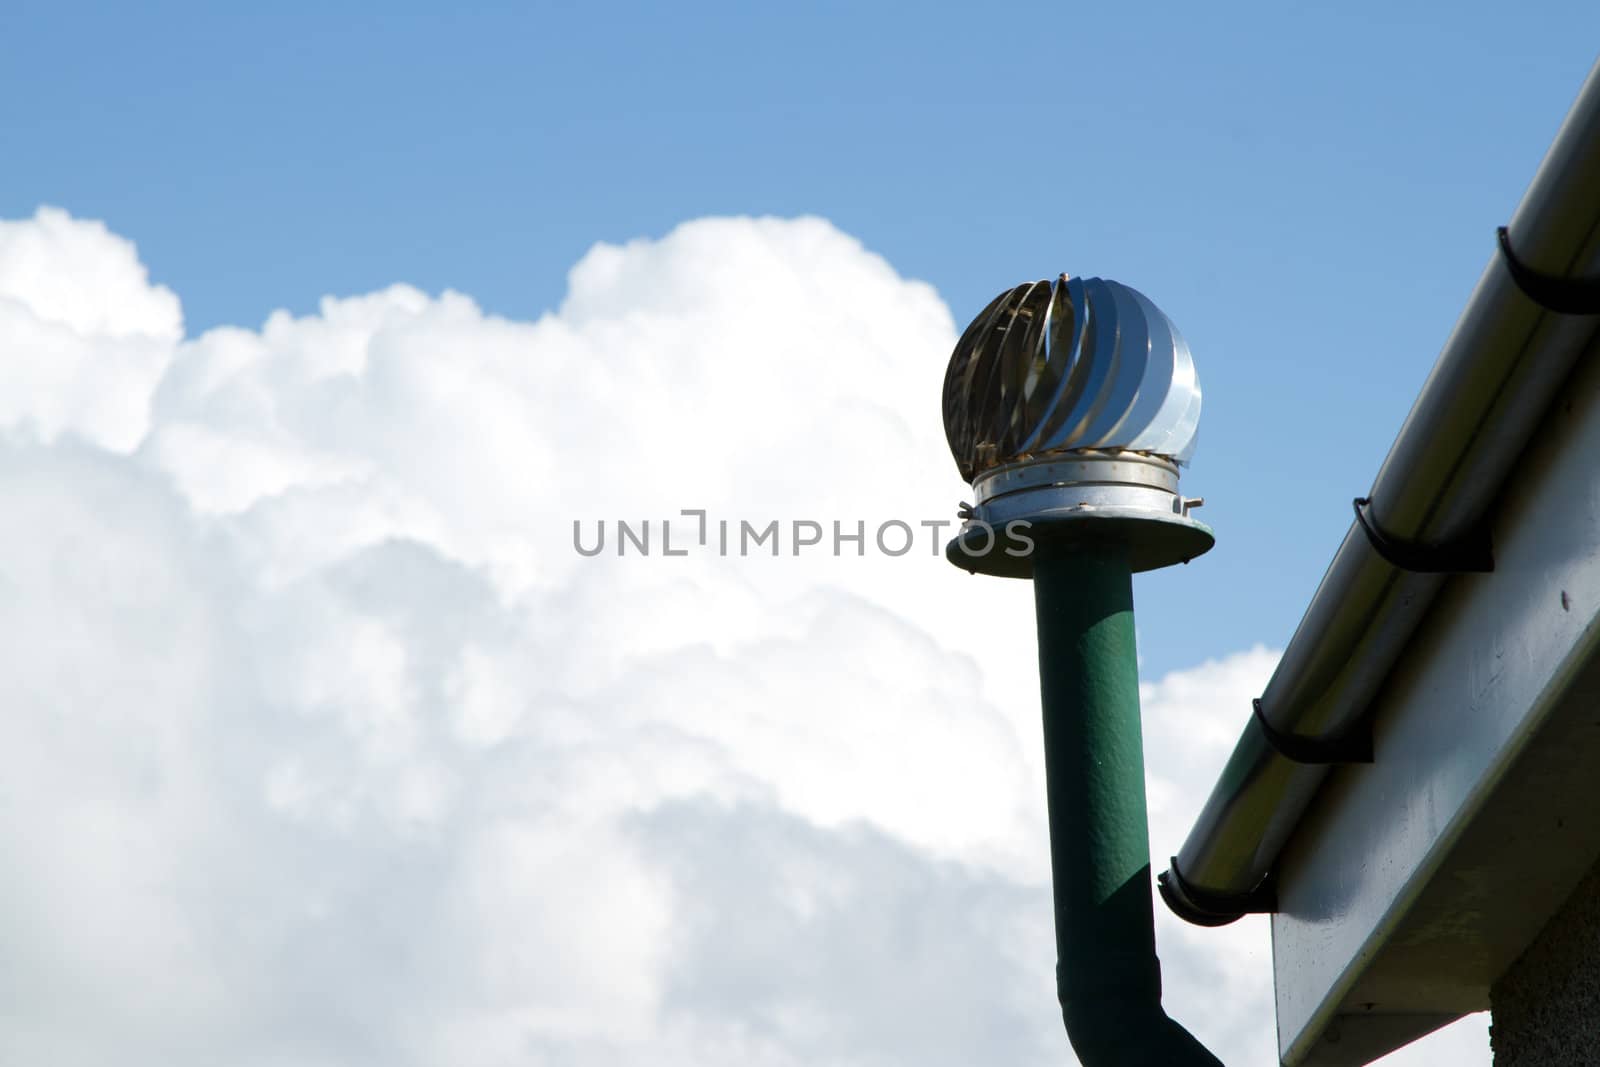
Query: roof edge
{"x": 1488, "y": 390}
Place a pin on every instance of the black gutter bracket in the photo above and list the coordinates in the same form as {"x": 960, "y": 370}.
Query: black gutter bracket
{"x": 1564, "y": 296}
{"x": 1352, "y": 746}
{"x": 1472, "y": 553}
{"x": 1202, "y": 908}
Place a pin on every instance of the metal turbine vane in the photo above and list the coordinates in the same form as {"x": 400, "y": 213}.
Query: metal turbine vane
{"x": 1070, "y": 405}
{"x": 1062, "y": 365}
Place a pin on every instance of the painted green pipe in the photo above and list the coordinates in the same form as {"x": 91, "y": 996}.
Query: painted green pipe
{"x": 1107, "y": 975}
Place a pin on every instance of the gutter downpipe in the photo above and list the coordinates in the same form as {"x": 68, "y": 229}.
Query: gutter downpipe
{"x": 1493, "y": 382}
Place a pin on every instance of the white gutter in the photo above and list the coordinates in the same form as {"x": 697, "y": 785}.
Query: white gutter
{"x": 1487, "y": 392}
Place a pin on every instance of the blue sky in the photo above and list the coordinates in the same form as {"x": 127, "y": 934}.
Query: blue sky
{"x": 380, "y": 770}
{"x": 1309, "y": 193}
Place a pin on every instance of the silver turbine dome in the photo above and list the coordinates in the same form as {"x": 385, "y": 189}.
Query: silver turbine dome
{"x": 1070, "y": 405}
{"x": 1066, "y": 365}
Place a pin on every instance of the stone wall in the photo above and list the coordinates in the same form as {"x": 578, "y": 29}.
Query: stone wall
{"x": 1547, "y": 1004}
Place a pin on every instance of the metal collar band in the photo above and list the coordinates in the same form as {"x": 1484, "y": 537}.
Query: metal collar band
{"x": 1093, "y": 495}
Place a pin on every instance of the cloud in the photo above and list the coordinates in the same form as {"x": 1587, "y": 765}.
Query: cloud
{"x": 86, "y": 335}
{"x": 323, "y": 745}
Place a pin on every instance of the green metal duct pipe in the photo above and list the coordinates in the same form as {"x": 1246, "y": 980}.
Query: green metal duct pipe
{"x": 1107, "y": 975}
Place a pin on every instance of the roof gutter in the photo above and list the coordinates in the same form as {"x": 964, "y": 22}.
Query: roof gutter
{"x": 1425, "y": 518}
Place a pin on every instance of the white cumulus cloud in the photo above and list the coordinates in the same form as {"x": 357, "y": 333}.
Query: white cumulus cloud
{"x": 85, "y": 335}
{"x": 324, "y": 745}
